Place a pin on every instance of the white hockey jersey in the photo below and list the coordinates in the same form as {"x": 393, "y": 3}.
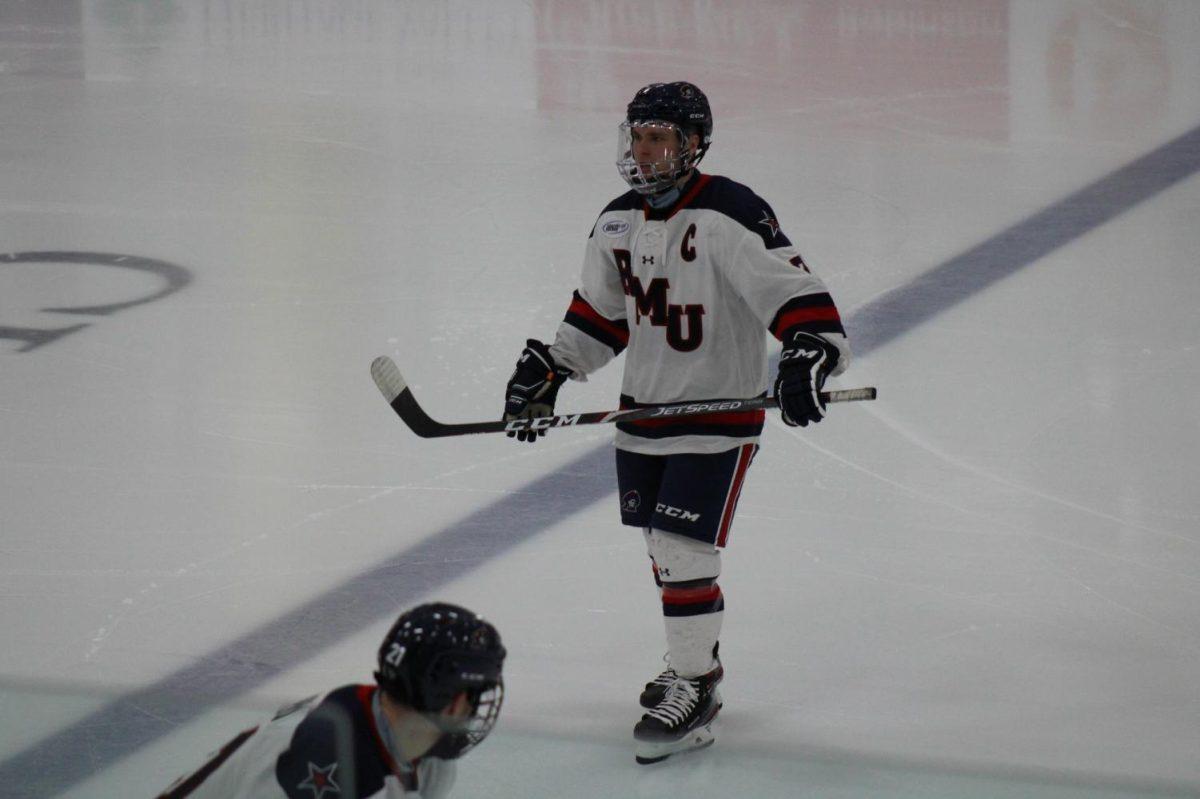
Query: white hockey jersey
{"x": 687, "y": 292}
{"x": 321, "y": 748}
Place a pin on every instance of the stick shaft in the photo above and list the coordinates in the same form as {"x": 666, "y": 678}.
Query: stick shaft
{"x": 394, "y": 389}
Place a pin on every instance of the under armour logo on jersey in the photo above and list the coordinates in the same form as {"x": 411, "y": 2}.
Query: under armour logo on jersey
{"x": 320, "y": 780}
{"x": 647, "y": 259}
{"x": 770, "y": 222}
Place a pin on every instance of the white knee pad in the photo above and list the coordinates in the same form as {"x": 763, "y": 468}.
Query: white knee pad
{"x": 680, "y": 558}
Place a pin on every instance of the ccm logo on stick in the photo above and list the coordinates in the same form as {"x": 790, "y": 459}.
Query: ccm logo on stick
{"x": 677, "y": 513}
{"x": 542, "y": 422}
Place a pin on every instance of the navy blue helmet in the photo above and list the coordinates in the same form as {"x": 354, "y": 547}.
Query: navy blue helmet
{"x": 682, "y": 103}
{"x": 435, "y": 652}
{"x": 680, "y": 107}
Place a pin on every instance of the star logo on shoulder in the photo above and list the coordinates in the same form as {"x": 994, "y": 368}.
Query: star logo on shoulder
{"x": 770, "y": 222}
{"x": 320, "y": 780}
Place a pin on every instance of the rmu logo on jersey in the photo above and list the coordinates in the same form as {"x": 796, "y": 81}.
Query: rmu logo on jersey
{"x": 651, "y": 302}
{"x": 631, "y": 502}
{"x": 615, "y": 228}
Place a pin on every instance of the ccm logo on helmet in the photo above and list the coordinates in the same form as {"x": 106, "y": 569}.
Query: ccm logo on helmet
{"x": 677, "y": 513}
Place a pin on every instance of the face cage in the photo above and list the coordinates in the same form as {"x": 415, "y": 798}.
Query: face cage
{"x": 463, "y": 735}
{"x": 647, "y": 178}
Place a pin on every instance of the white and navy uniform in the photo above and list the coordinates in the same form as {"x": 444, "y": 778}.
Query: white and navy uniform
{"x": 321, "y": 748}
{"x": 688, "y": 292}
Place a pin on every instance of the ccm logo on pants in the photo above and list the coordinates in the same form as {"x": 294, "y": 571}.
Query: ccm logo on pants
{"x": 677, "y": 513}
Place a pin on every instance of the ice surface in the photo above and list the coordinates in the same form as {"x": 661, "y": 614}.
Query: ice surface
{"x": 983, "y": 584}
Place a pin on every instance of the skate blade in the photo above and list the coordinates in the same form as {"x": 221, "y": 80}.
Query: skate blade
{"x": 657, "y": 751}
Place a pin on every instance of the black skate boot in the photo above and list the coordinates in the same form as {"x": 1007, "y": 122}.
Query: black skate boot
{"x": 682, "y": 721}
{"x": 656, "y": 689}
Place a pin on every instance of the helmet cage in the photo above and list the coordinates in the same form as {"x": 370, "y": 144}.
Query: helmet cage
{"x": 660, "y": 174}
{"x": 461, "y": 735}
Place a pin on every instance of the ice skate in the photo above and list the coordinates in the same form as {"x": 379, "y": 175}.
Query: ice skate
{"x": 656, "y": 689}
{"x": 682, "y": 721}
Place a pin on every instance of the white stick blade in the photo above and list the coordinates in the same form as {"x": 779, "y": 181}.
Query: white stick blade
{"x": 387, "y": 376}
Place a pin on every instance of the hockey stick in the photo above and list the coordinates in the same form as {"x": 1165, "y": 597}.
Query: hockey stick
{"x": 391, "y": 384}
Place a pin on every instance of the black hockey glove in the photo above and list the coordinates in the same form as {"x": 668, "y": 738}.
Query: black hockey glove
{"x": 803, "y": 365}
{"x": 533, "y": 388}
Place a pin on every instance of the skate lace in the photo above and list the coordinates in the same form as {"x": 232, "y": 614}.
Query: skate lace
{"x": 667, "y": 677}
{"x": 681, "y": 699}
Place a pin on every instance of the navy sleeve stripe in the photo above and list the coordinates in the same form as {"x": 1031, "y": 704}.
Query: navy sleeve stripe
{"x": 813, "y": 313}
{"x": 582, "y": 316}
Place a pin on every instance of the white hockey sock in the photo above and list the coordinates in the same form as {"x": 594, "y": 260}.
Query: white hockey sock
{"x": 692, "y": 603}
{"x": 690, "y": 642}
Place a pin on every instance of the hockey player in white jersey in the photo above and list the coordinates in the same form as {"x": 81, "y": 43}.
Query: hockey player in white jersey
{"x": 438, "y": 693}
{"x": 685, "y": 273}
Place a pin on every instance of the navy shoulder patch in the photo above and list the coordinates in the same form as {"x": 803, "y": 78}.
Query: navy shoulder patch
{"x": 742, "y": 205}
{"x": 332, "y": 751}
{"x": 629, "y": 201}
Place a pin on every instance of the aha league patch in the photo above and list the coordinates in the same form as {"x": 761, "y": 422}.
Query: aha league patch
{"x": 615, "y": 228}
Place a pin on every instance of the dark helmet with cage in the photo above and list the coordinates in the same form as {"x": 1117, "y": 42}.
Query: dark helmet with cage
{"x": 435, "y": 652}
{"x": 678, "y": 109}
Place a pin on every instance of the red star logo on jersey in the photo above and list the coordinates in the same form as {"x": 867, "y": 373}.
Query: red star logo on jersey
{"x": 770, "y": 222}
{"x": 320, "y": 780}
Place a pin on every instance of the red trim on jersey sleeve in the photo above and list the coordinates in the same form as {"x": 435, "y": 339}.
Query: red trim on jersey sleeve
{"x": 812, "y": 313}
{"x": 801, "y": 316}
{"x": 581, "y": 308}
